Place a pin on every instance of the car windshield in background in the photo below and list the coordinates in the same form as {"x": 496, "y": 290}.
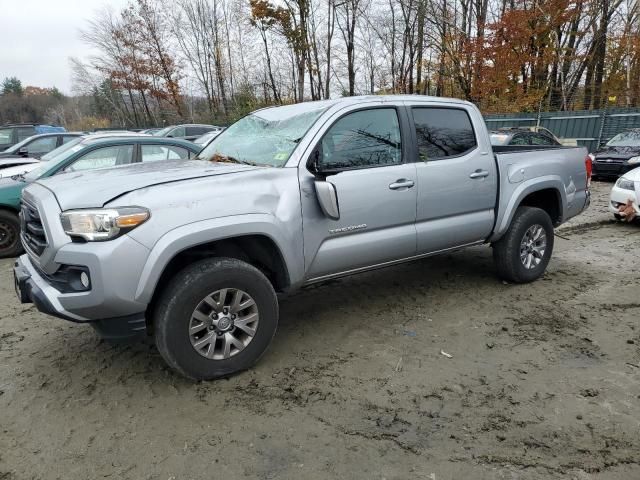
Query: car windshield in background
{"x": 19, "y": 145}
{"x": 163, "y": 132}
{"x": 625, "y": 139}
{"x": 55, "y": 157}
{"x": 266, "y": 137}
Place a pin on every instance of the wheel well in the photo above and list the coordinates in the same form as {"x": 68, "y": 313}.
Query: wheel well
{"x": 9, "y": 209}
{"x": 257, "y": 250}
{"x": 548, "y": 200}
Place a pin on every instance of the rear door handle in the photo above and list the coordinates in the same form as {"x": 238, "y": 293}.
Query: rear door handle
{"x": 479, "y": 174}
{"x": 401, "y": 183}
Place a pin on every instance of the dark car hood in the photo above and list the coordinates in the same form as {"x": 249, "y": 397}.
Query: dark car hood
{"x": 95, "y": 188}
{"x": 620, "y": 153}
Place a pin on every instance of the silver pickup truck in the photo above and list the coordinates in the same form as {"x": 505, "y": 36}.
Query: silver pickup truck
{"x": 194, "y": 253}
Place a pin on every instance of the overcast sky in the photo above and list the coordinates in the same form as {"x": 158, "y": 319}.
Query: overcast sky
{"x": 37, "y": 37}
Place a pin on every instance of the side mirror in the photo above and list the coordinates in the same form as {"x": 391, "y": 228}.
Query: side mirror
{"x": 24, "y": 151}
{"x": 328, "y": 199}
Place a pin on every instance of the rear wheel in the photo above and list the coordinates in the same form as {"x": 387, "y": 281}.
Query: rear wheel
{"x": 523, "y": 253}
{"x": 9, "y": 235}
{"x": 215, "y": 318}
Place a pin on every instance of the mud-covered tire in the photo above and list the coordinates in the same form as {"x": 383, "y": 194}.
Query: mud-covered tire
{"x": 186, "y": 292}
{"x": 10, "y": 245}
{"x": 507, "y": 251}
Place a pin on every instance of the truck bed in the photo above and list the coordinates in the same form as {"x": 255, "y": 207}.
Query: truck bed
{"x": 524, "y": 169}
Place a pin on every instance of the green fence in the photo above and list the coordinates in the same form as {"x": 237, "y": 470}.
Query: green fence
{"x": 590, "y": 128}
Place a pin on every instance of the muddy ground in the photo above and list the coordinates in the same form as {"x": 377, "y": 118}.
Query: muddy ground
{"x": 544, "y": 380}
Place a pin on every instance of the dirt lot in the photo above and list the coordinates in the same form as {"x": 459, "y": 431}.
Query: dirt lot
{"x": 544, "y": 380}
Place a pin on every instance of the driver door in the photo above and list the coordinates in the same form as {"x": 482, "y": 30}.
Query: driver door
{"x": 363, "y": 156}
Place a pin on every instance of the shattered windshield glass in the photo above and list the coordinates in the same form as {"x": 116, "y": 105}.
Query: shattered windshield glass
{"x": 266, "y": 137}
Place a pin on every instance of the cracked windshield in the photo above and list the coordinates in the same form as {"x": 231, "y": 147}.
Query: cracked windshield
{"x": 264, "y": 138}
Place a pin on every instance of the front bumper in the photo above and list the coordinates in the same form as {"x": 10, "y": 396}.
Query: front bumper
{"x": 611, "y": 170}
{"x": 32, "y": 287}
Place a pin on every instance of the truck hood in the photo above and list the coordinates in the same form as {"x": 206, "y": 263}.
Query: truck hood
{"x": 95, "y": 188}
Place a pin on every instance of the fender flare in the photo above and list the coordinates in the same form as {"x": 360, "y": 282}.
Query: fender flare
{"x": 506, "y": 212}
{"x": 205, "y": 231}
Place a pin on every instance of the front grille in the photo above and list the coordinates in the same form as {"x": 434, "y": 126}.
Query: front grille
{"x": 32, "y": 231}
{"x": 610, "y": 161}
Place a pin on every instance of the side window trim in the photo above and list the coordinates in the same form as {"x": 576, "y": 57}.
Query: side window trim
{"x": 403, "y": 126}
{"x": 410, "y": 116}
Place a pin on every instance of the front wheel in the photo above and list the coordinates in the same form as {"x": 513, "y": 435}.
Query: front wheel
{"x": 10, "y": 245}
{"x": 523, "y": 253}
{"x": 215, "y": 318}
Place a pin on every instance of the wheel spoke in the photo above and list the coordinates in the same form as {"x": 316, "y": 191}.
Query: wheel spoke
{"x": 206, "y": 340}
{"x": 212, "y": 347}
{"x": 197, "y": 328}
{"x": 201, "y": 317}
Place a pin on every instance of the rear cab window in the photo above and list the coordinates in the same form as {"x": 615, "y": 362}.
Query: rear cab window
{"x": 443, "y": 133}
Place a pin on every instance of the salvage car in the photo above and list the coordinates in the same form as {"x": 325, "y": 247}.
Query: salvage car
{"x": 626, "y": 192}
{"x": 618, "y": 156}
{"x": 83, "y": 153}
{"x": 194, "y": 253}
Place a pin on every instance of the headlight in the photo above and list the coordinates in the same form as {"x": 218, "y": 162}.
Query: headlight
{"x": 625, "y": 184}
{"x": 102, "y": 224}
{"x": 634, "y": 160}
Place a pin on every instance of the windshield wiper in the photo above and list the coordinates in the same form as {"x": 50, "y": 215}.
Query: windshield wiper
{"x": 19, "y": 177}
{"x": 228, "y": 159}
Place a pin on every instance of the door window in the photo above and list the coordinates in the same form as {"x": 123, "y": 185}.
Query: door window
{"x": 156, "y": 153}
{"x": 42, "y": 145}
{"x": 25, "y": 132}
{"x": 5, "y": 136}
{"x": 443, "y": 132}
{"x": 367, "y": 138}
{"x": 68, "y": 138}
{"x": 103, "y": 158}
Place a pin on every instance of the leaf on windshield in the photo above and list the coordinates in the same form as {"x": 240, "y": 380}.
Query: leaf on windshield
{"x": 222, "y": 159}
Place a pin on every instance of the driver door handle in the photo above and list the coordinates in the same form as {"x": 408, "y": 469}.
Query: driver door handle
{"x": 479, "y": 174}
{"x": 401, "y": 183}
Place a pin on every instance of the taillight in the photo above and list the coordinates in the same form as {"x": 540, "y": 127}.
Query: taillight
{"x": 588, "y": 164}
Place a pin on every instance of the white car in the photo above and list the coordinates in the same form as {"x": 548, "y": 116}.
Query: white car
{"x": 626, "y": 188}
{"x": 15, "y": 166}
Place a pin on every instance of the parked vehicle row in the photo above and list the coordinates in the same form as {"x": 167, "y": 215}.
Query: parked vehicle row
{"x": 193, "y": 252}
{"x": 87, "y": 152}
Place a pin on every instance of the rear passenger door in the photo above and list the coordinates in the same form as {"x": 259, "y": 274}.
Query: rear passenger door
{"x": 457, "y": 178}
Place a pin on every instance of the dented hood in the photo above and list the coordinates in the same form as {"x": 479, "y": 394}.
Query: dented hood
{"x": 95, "y": 188}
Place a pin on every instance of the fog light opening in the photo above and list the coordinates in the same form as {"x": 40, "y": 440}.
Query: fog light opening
{"x": 84, "y": 279}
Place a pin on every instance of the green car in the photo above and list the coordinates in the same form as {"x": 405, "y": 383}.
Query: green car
{"x": 84, "y": 153}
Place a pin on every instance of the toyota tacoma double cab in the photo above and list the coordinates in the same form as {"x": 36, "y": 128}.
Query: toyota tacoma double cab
{"x": 194, "y": 253}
